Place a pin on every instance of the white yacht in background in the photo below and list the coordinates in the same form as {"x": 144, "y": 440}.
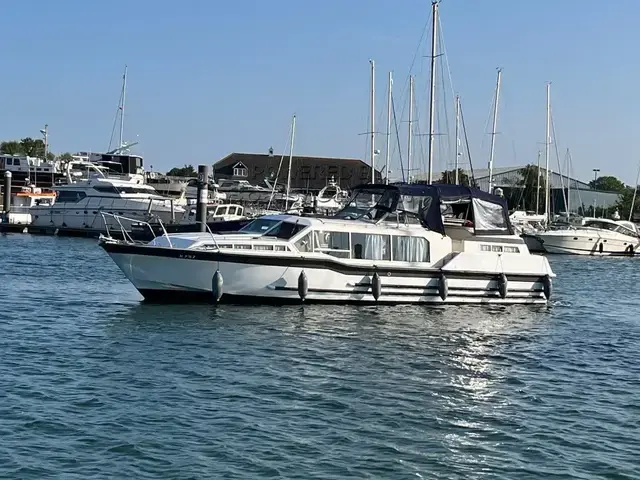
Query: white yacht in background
{"x": 80, "y": 203}
{"x": 390, "y": 244}
{"x": 331, "y": 198}
{"x": 596, "y": 236}
{"x": 173, "y": 187}
{"x": 22, "y": 203}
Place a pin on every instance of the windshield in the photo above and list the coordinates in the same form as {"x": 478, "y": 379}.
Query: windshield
{"x": 367, "y": 203}
{"x": 259, "y": 226}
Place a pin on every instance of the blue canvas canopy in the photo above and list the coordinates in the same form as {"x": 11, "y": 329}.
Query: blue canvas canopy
{"x": 487, "y": 213}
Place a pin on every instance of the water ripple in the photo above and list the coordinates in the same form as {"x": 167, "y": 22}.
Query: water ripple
{"x": 96, "y": 384}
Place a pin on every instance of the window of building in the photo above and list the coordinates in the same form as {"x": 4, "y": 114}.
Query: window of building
{"x": 239, "y": 170}
{"x": 410, "y": 249}
{"x": 365, "y": 246}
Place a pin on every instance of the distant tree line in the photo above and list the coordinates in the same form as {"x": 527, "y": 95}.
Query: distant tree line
{"x": 32, "y": 148}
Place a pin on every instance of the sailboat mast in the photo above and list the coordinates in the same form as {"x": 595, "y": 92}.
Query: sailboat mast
{"x": 568, "y": 175}
{"x": 389, "y": 100}
{"x": 547, "y": 142}
{"x": 538, "y": 187}
{"x": 410, "y": 137}
{"x": 493, "y": 133}
{"x": 293, "y": 136}
{"x": 432, "y": 95}
{"x": 456, "y": 165}
{"x": 124, "y": 93}
{"x": 372, "y": 114}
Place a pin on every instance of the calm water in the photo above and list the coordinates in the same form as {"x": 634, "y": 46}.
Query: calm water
{"x": 94, "y": 384}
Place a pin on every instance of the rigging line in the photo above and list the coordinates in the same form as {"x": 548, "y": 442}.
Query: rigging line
{"x": 555, "y": 147}
{"x": 448, "y": 148}
{"x": 115, "y": 121}
{"x": 466, "y": 141}
{"x": 570, "y": 159}
{"x": 405, "y": 87}
{"x": 395, "y": 123}
{"x": 486, "y": 124}
{"x": 275, "y": 183}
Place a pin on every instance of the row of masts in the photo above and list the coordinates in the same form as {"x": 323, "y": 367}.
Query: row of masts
{"x": 432, "y": 123}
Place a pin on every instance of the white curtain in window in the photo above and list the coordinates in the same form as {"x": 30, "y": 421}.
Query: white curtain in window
{"x": 488, "y": 216}
{"x": 410, "y": 249}
{"x": 375, "y": 247}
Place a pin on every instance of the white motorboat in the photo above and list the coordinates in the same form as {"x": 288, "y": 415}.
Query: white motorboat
{"x": 599, "y": 236}
{"x": 331, "y": 198}
{"x": 23, "y": 201}
{"x": 390, "y": 244}
{"x": 79, "y": 205}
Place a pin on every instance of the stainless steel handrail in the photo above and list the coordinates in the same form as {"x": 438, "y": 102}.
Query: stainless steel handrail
{"x": 125, "y": 235}
{"x": 210, "y": 233}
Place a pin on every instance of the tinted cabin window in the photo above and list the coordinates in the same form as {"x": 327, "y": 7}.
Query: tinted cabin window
{"x": 285, "y": 230}
{"x": 332, "y": 243}
{"x": 367, "y": 246}
{"x": 305, "y": 243}
{"x": 70, "y": 196}
{"x": 232, "y": 210}
{"x": 106, "y": 189}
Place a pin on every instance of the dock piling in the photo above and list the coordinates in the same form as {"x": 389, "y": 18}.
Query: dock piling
{"x": 203, "y": 196}
{"x": 6, "y": 204}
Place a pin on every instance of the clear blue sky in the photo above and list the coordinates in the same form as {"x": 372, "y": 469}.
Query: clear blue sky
{"x": 209, "y": 77}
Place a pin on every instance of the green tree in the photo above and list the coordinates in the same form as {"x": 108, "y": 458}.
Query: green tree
{"x": 64, "y": 157}
{"x": 11, "y": 148}
{"x": 449, "y": 176}
{"x": 32, "y": 147}
{"x": 186, "y": 171}
{"x": 607, "y": 184}
{"x": 529, "y": 184}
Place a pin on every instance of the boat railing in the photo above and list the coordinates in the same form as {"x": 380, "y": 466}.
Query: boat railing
{"x": 126, "y": 237}
{"x": 210, "y": 233}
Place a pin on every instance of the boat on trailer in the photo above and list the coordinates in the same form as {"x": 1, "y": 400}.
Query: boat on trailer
{"x": 390, "y": 244}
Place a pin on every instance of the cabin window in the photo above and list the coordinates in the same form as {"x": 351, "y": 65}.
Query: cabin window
{"x": 410, "y": 249}
{"x": 285, "y": 230}
{"x": 221, "y": 211}
{"x": 305, "y": 243}
{"x": 70, "y": 196}
{"x": 259, "y": 226}
{"x": 232, "y": 210}
{"x": 366, "y": 246}
{"x": 263, "y": 247}
{"x": 281, "y": 248}
{"x": 332, "y": 243}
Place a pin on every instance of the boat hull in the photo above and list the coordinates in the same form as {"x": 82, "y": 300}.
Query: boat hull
{"x": 594, "y": 244}
{"x": 176, "y": 275}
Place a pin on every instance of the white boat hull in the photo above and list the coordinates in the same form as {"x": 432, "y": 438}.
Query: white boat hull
{"x": 174, "y": 275}
{"x": 594, "y": 243}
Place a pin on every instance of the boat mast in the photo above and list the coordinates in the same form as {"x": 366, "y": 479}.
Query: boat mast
{"x": 124, "y": 94}
{"x": 432, "y": 95}
{"x": 538, "y": 187}
{"x": 547, "y": 142}
{"x": 389, "y": 100}
{"x": 372, "y": 114}
{"x": 567, "y": 173}
{"x": 410, "y": 137}
{"x": 456, "y": 162}
{"x": 293, "y": 136}
{"x": 493, "y": 133}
